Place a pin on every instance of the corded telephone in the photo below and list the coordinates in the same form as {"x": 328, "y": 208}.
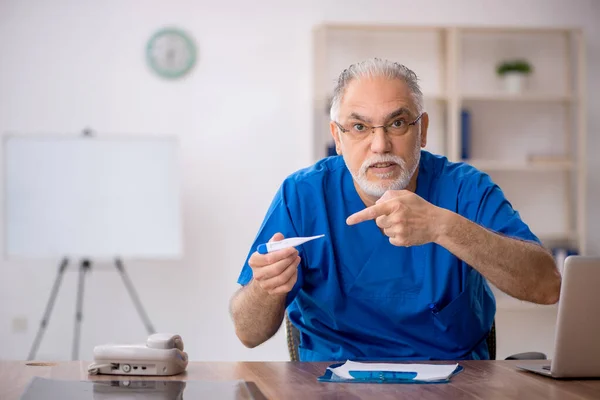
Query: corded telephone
{"x": 162, "y": 354}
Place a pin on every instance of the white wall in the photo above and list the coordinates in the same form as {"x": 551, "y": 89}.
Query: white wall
{"x": 244, "y": 120}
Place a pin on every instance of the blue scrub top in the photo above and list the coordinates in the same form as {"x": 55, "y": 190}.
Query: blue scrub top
{"x": 359, "y": 297}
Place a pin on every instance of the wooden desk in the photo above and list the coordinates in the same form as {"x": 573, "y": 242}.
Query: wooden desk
{"x": 287, "y": 380}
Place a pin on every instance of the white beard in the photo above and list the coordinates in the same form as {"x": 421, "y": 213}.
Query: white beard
{"x": 377, "y": 189}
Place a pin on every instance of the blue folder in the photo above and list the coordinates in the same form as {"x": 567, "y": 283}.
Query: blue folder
{"x": 379, "y": 376}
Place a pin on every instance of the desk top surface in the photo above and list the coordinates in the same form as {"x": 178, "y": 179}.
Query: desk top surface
{"x": 289, "y": 380}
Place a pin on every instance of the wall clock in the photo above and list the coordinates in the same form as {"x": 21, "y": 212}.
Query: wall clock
{"x": 171, "y": 53}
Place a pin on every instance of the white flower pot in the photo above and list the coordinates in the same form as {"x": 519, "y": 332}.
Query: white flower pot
{"x": 514, "y": 82}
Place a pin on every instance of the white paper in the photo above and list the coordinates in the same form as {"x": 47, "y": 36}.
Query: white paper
{"x": 425, "y": 372}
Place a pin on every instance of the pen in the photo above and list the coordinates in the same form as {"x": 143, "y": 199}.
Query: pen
{"x": 398, "y": 376}
{"x": 284, "y": 244}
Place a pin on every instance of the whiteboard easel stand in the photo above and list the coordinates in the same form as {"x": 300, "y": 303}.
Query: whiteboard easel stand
{"x": 84, "y": 266}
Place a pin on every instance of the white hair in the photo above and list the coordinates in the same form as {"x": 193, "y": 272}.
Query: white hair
{"x": 375, "y": 67}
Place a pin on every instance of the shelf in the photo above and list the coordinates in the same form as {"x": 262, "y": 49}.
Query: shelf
{"x": 556, "y": 240}
{"x": 517, "y": 30}
{"x": 558, "y": 237}
{"x": 533, "y": 98}
{"x": 506, "y": 303}
{"x": 521, "y": 166}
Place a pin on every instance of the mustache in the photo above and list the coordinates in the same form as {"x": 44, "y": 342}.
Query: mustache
{"x": 389, "y": 158}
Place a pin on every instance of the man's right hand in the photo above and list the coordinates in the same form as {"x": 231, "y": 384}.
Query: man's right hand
{"x": 276, "y": 272}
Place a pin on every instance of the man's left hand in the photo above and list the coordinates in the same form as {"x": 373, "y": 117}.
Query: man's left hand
{"x": 406, "y": 218}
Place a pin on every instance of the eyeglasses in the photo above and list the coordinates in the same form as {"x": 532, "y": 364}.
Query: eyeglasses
{"x": 359, "y": 130}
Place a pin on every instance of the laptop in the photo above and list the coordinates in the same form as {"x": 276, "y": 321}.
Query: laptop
{"x": 577, "y": 342}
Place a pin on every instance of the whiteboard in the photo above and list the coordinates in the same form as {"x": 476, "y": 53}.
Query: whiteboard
{"x": 91, "y": 197}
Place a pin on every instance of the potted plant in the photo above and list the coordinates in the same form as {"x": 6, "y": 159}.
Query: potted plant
{"x": 513, "y": 73}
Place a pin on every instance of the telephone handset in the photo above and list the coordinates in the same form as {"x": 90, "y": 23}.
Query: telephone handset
{"x": 162, "y": 354}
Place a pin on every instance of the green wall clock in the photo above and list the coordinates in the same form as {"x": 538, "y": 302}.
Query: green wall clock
{"x": 171, "y": 53}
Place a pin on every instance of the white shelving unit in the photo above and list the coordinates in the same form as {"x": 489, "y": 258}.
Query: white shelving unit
{"x": 532, "y": 144}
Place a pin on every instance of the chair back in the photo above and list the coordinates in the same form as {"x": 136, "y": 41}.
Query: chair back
{"x": 293, "y": 340}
